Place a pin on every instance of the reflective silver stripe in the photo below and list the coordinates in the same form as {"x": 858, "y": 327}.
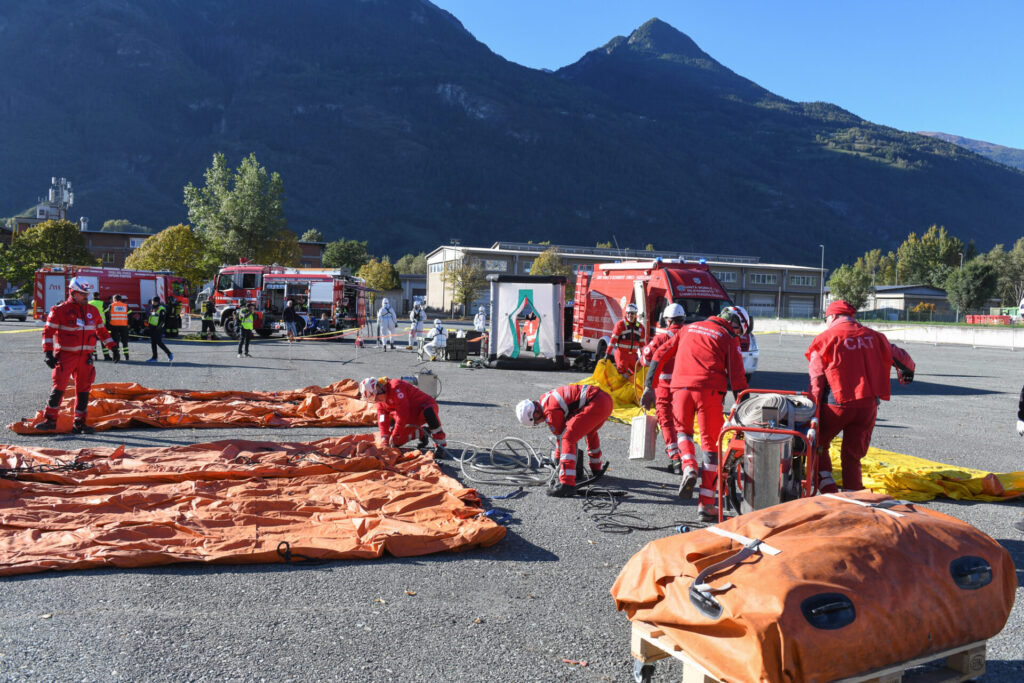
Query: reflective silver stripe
{"x": 568, "y": 457}
{"x": 594, "y": 454}
{"x": 71, "y": 328}
{"x": 684, "y": 437}
{"x": 76, "y": 348}
{"x": 709, "y": 493}
{"x": 762, "y": 546}
{"x": 561, "y": 402}
{"x": 584, "y": 394}
{"x": 665, "y": 375}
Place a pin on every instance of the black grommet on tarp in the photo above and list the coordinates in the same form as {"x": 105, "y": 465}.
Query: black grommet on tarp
{"x": 971, "y": 572}
{"x": 828, "y": 611}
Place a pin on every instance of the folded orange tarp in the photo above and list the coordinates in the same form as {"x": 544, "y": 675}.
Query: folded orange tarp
{"x": 122, "y": 405}
{"x": 853, "y": 588}
{"x": 231, "y": 502}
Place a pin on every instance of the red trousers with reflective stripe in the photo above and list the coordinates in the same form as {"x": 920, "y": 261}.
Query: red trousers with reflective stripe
{"x": 625, "y": 361}
{"x": 68, "y": 365}
{"x": 584, "y": 424}
{"x": 856, "y": 420}
{"x": 663, "y": 412}
{"x": 706, "y": 404}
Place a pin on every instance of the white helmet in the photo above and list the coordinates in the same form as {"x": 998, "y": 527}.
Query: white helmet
{"x": 77, "y": 284}
{"x": 482, "y": 310}
{"x": 384, "y": 303}
{"x": 738, "y": 315}
{"x": 524, "y": 412}
{"x": 673, "y": 311}
{"x": 368, "y": 388}
{"x": 437, "y": 321}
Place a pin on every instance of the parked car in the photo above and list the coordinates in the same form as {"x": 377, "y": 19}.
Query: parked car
{"x": 13, "y": 308}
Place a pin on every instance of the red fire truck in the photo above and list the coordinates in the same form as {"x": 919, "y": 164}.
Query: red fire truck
{"x": 138, "y": 286}
{"x": 602, "y": 295}
{"x": 314, "y": 290}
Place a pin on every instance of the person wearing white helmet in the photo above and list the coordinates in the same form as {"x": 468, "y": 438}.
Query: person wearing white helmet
{"x": 438, "y": 337}
{"x": 627, "y": 338}
{"x": 404, "y": 412}
{"x": 674, "y": 316}
{"x": 573, "y": 412}
{"x": 387, "y": 323}
{"x": 707, "y": 363}
{"x": 76, "y": 326}
{"x": 417, "y": 316}
{"x": 480, "y": 320}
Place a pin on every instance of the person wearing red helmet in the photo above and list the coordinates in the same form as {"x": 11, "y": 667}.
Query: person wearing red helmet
{"x": 627, "y": 338}
{"x": 707, "y": 363}
{"x": 849, "y": 372}
{"x": 404, "y": 412}
{"x": 674, "y": 316}
{"x": 76, "y": 326}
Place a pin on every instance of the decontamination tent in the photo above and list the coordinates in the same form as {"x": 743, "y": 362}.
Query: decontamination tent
{"x": 229, "y": 502}
{"x": 527, "y": 329}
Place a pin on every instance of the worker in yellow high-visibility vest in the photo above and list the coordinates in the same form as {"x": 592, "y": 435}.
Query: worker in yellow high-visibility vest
{"x": 117, "y": 323}
{"x": 97, "y": 303}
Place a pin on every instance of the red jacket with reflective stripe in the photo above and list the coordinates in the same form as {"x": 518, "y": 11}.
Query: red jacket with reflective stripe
{"x": 575, "y": 396}
{"x": 628, "y": 337}
{"x": 854, "y": 360}
{"x": 665, "y": 367}
{"x": 76, "y": 328}
{"x": 403, "y": 402}
{"x": 707, "y": 356}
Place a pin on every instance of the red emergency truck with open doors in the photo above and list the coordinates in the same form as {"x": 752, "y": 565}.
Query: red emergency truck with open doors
{"x": 314, "y": 290}
{"x": 138, "y": 286}
{"x": 602, "y": 295}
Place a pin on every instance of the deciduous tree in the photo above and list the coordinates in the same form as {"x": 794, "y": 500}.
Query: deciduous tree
{"x": 312, "y": 235}
{"x": 412, "y": 264}
{"x": 345, "y": 253}
{"x": 850, "y": 284}
{"x": 177, "y": 249}
{"x": 380, "y": 274}
{"x": 55, "y": 241}
{"x": 466, "y": 280}
{"x": 237, "y": 212}
{"x": 970, "y": 287}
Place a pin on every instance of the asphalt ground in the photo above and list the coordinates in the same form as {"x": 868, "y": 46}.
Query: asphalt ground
{"x": 511, "y": 612}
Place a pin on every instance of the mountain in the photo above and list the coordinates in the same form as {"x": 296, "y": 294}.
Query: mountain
{"x": 1009, "y": 156}
{"x": 388, "y": 121}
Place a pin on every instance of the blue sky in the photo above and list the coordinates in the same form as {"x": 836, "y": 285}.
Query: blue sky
{"x": 954, "y": 67}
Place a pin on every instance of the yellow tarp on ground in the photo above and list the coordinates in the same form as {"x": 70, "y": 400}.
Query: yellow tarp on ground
{"x": 901, "y": 476}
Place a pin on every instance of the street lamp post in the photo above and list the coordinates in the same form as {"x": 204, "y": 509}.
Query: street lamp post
{"x": 961, "y": 270}
{"x": 821, "y": 284}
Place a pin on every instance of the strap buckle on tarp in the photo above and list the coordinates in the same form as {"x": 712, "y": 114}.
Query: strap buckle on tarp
{"x": 701, "y": 594}
{"x": 881, "y": 505}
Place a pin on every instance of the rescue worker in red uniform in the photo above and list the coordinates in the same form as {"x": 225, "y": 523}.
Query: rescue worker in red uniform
{"x": 849, "y": 369}
{"x": 627, "y": 338}
{"x": 77, "y": 326}
{"x": 674, "y": 316}
{"x": 707, "y": 364}
{"x": 572, "y": 412}
{"x": 404, "y": 412}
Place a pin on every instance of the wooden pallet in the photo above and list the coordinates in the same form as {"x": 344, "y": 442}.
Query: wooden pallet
{"x": 649, "y": 644}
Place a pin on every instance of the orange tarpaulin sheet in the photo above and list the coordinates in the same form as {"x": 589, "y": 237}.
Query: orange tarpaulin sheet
{"x": 231, "y": 502}
{"x": 122, "y": 405}
{"x": 852, "y": 588}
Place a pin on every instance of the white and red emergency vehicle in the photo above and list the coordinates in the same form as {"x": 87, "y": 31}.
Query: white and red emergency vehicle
{"x": 314, "y": 290}
{"x": 138, "y": 286}
{"x": 601, "y": 296}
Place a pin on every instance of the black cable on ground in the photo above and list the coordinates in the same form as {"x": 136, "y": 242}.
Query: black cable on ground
{"x": 602, "y": 505}
{"x": 13, "y": 472}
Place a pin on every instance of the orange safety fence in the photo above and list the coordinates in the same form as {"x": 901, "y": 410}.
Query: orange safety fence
{"x": 231, "y": 502}
{"x": 120, "y": 404}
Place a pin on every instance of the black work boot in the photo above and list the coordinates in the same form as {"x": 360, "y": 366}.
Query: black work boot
{"x": 560, "y": 490}
{"x": 82, "y": 428}
{"x": 675, "y": 467}
{"x": 46, "y": 426}
{"x": 597, "y": 474}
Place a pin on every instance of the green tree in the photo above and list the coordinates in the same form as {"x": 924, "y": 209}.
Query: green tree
{"x": 649, "y": 247}
{"x": 345, "y": 253}
{"x": 380, "y": 274}
{"x": 237, "y": 212}
{"x": 1009, "y": 267}
{"x": 603, "y": 245}
{"x": 466, "y": 280}
{"x": 57, "y": 241}
{"x": 970, "y": 287}
{"x": 850, "y": 284}
{"x": 412, "y": 264}
{"x": 921, "y": 259}
{"x": 312, "y": 235}
{"x": 283, "y": 249}
{"x": 550, "y": 263}
{"x": 125, "y": 225}
{"x": 177, "y": 249}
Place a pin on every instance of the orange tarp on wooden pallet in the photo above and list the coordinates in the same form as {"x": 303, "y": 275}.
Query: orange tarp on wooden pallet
{"x": 122, "y": 405}
{"x": 231, "y": 502}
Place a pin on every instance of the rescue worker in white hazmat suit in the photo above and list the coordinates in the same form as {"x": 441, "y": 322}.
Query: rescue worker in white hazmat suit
{"x": 387, "y": 323}
{"x": 480, "y": 321}
{"x": 417, "y": 316}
